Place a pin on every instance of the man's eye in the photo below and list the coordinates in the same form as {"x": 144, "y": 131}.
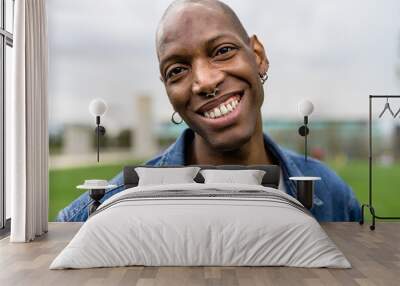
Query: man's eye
{"x": 224, "y": 50}
{"x": 174, "y": 71}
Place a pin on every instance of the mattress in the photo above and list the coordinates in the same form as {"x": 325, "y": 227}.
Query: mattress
{"x": 197, "y": 224}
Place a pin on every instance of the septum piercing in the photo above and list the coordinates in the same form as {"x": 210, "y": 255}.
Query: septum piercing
{"x": 214, "y": 93}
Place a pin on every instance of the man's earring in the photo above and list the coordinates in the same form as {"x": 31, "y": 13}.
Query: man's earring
{"x": 173, "y": 119}
{"x": 263, "y": 77}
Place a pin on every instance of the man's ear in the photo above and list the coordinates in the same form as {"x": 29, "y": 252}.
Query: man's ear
{"x": 259, "y": 52}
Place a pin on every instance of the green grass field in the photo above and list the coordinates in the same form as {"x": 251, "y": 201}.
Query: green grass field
{"x": 63, "y": 182}
{"x": 385, "y": 185}
{"x": 355, "y": 173}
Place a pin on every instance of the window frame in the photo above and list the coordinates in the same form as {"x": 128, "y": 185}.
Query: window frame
{"x": 6, "y": 39}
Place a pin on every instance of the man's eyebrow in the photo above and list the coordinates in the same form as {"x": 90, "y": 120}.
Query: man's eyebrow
{"x": 217, "y": 37}
{"x": 209, "y": 42}
{"x": 172, "y": 57}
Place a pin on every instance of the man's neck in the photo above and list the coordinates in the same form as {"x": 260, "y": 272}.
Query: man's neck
{"x": 253, "y": 152}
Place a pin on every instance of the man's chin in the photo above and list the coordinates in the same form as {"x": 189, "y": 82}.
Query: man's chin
{"x": 228, "y": 142}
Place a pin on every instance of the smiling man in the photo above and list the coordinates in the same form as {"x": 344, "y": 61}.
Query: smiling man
{"x": 202, "y": 47}
{"x": 213, "y": 73}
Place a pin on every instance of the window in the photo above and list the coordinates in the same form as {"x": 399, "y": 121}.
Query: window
{"x": 6, "y": 43}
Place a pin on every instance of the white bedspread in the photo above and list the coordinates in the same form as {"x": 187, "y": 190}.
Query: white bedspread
{"x": 146, "y": 226}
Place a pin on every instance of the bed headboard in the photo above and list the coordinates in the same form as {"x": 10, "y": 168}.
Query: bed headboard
{"x": 270, "y": 179}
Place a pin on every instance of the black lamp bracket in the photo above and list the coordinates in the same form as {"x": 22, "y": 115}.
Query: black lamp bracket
{"x": 304, "y": 131}
{"x": 100, "y": 130}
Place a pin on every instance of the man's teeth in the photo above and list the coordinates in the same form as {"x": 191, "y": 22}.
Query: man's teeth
{"x": 222, "y": 109}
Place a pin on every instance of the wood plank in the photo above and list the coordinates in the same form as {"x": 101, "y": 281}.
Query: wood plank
{"x": 374, "y": 255}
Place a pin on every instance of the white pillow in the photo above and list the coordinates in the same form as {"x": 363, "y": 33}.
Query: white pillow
{"x": 161, "y": 176}
{"x": 249, "y": 176}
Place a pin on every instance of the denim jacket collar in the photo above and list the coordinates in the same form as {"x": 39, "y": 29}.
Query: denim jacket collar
{"x": 175, "y": 155}
{"x": 289, "y": 169}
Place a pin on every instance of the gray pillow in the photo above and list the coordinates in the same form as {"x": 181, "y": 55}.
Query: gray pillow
{"x": 249, "y": 176}
{"x": 160, "y": 176}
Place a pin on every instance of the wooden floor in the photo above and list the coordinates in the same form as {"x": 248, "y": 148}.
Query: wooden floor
{"x": 374, "y": 255}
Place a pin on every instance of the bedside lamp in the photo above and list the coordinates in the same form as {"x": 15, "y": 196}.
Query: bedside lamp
{"x": 97, "y": 108}
{"x": 305, "y": 108}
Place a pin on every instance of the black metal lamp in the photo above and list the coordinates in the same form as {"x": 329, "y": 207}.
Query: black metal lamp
{"x": 305, "y": 108}
{"x": 97, "y": 108}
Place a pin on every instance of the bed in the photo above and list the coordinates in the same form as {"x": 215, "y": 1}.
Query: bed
{"x": 201, "y": 223}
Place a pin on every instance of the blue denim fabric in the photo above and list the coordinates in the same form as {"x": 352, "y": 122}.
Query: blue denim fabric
{"x": 333, "y": 199}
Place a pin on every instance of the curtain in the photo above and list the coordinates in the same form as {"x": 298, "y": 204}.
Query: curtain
{"x": 26, "y": 123}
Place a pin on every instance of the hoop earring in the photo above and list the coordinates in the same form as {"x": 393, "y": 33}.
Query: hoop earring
{"x": 263, "y": 77}
{"x": 173, "y": 119}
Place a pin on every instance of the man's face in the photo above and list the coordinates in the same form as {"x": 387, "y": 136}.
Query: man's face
{"x": 199, "y": 49}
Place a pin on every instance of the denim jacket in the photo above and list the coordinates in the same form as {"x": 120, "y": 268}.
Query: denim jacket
{"x": 333, "y": 199}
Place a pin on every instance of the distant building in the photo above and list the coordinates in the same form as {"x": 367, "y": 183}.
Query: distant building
{"x": 77, "y": 139}
{"x": 327, "y": 137}
{"x": 144, "y": 140}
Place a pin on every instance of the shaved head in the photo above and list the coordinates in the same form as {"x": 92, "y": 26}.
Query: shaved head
{"x": 203, "y": 47}
{"x": 177, "y": 6}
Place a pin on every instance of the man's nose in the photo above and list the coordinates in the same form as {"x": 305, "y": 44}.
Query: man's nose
{"x": 206, "y": 78}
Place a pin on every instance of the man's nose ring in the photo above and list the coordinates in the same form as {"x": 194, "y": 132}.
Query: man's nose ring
{"x": 214, "y": 93}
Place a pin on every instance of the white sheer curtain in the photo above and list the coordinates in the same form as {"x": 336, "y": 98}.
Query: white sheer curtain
{"x": 26, "y": 123}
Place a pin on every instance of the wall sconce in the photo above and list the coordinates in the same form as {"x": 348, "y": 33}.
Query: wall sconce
{"x": 97, "y": 108}
{"x": 305, "y": 108}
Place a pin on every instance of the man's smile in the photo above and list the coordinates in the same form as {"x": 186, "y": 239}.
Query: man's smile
{"x": 218, "y": 101}
{"x": 219, "y": 114}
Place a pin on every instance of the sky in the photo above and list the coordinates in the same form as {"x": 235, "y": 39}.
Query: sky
{"x": 334, "y": 53}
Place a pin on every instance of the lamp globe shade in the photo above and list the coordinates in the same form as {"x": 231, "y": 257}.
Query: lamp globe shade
{"x": 305, "y": 107}
{"x": 97, "y": 107}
